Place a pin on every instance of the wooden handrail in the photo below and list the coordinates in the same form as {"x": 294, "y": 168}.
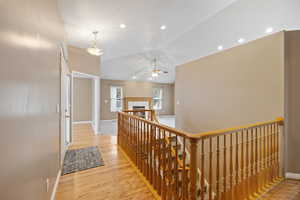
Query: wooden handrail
{"x": 244, "y": 163}
{"x": 234, "y": 129}
{"x": 167, "y": 128}
{"x": 138, "y": 110}
{"x": 205, "y": 134}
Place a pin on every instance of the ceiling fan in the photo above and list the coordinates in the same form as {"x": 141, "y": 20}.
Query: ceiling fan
{"x": 156, "y": 71}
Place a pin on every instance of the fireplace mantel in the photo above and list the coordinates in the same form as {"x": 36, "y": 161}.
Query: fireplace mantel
{"x": 129, "y": 101}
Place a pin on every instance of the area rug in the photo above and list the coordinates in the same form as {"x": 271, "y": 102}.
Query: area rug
{"x": 82, "y": 159}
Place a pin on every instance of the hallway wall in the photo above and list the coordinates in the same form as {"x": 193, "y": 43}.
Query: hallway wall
{"x": 292, "y": 66}
{"x": 238, "y": 86}
{"x": 82, "y": 99}
{"x": 81, "y": 61}
{"x": 30, "y": 37}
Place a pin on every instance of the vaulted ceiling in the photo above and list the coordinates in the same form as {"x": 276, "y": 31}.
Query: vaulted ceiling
{"x": 194, "y": 28}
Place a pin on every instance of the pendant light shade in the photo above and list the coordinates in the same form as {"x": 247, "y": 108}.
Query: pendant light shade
{"x": 94, "y": 50}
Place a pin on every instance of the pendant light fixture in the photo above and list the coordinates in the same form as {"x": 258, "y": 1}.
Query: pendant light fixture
{"x": 94, "y": 50}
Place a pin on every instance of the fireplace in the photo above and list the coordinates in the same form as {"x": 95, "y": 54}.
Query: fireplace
{"x": 137, "y": 102}
{"x": 140, "y": 114}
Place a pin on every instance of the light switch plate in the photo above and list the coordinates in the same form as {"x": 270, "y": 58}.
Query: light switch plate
{"x": 57, "y": 108}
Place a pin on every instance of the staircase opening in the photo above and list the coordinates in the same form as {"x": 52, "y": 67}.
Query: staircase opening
{"x": 235, "y": 163}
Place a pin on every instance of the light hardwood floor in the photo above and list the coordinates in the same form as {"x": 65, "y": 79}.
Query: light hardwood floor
{"x": 117, "y": 180}
{"x": 287, "y": 190}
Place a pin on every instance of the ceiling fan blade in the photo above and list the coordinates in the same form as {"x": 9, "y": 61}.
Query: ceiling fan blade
{"x": 160, "y": 71}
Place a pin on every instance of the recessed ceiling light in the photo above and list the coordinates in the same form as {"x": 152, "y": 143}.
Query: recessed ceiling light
{"x": 241, "y": 40}
{"x": 133, "y": 77}
{"x": 269, "y": 30}
{"x": 163, "y": 27}
{"x": 122, "y": 25}
{"x": 220, "y": 47}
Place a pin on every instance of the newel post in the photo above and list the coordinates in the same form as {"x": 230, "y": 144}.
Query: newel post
{"x": 281, "y": 149}
{"x": 193, "y": 168}
{"x": 118, "y": 124}
{"x": 152, "y": 115}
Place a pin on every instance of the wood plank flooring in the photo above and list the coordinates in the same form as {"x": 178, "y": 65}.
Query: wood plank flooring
{"x": 287, "y": 190}
{"x": 117, "y": 180}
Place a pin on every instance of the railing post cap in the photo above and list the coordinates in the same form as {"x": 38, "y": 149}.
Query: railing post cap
{"x": 280, "y": 120}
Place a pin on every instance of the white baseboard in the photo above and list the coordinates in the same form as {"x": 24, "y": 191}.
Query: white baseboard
{"x": 292, "y": 176}
{"x": 83, "y": 122}
{"x": 55, "y": 186}
{"x": 166, "y": 116}
{"x": 108, "y": 120}
{"x": 94, "y": 129}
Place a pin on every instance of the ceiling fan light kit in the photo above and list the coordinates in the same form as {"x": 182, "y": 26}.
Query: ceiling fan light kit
{"x": 154, "y": 72}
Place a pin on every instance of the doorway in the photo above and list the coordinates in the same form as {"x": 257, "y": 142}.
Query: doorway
{"x": 95, "y": 99}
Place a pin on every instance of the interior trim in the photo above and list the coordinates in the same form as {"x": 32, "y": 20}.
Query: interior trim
{"x": 290, "y": 175}
{"x": 82, "y": 122}
{"x": 55, "y": 186}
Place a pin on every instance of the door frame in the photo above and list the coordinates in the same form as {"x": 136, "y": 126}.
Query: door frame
{"x": 69, "y": 77}
{"x": 64, "y": 71}
{"x": 95, "y": 95}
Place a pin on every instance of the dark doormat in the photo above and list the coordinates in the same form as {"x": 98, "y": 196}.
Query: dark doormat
{"x": 82, "y": 159}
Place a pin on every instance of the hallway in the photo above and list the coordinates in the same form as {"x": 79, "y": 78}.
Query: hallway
{"x": 115, "y": 180}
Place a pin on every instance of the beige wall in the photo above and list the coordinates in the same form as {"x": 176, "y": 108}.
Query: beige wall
{"x": 81, "y": 61}
{"x": 292, "y": 80}
{"x": 135, "y": 89}
{"x": 31, "y": 32}
{"x": 82, "y": 99}
{"x": 234, "y": 87}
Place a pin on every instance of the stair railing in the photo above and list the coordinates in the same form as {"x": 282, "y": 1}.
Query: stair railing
{"x": 237, "y": 163}
{"x": 198, "y": 189}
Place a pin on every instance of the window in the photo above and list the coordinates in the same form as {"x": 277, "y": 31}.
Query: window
{"x": 157, "y": 95}
{"x": 116, "y": 97}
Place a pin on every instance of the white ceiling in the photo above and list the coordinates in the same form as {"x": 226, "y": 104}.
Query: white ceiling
{"x": 194, "y": 29}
